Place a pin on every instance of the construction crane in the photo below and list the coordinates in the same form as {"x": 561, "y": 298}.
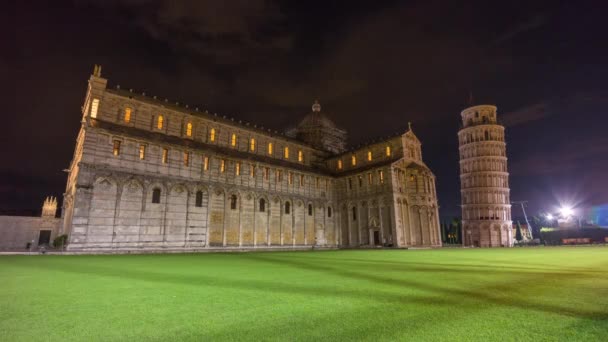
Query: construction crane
{"x": 523, "y": 209}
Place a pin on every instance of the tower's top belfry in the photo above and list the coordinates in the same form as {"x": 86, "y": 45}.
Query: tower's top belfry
{"x": 479, "y": 115}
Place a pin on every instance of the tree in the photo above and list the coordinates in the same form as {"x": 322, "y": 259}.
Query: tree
{"x": 518, "y": 235}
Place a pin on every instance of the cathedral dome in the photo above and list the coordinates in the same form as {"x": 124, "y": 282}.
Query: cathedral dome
{"x": 317, "y": 119}
{"x": 318, "y": 130}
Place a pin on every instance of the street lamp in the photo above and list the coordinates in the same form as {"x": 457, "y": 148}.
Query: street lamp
{"x": 566, "y": 212}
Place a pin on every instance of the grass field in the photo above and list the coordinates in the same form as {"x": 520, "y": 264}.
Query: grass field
{"x": 449, "y": 294}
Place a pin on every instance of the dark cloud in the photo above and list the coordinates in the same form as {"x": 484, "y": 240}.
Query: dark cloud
{"x": 374, "y": 65}
{"x": 524, "y": 115}
{"x": 223, "y": 32}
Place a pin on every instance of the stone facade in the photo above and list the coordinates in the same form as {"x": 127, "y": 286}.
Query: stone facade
{"x": 149, "y": 174}
{"x": 486, "y": 208}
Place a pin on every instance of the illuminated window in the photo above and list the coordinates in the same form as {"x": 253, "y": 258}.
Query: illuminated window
{"x": 270, "y": 148}
{"x": 301, "y": 180}
{"x": 142, "y": 152}
{"x": 252, "y": 144}
{"x": 300, "y": 156}
{"x": 381, "y": 176}
{"x": 286, "y": 152}
{"x": 94, "y": 108}
{"x": 159, "y": 122}
{"x": 186, "y": 158}
{"x": 198, "y": 202}
{"x": 127, "y": 115}
{"x": 237, "y": 169}
{"x": 212, "y": 135}
{"x": 222, "y": 166}
{"x": 353, "y": 160}
{"x": 205, "y": 163}
{"x": 287, "y": 207}
{"x": 165, "y": 156}
{"x": 370, "y": 179}
{"x": 290, "y": 178}
{"x": 156, "y": 195}
{"x": 369, "y": 155}
{"x": 189, "y": 129}
{"x": 233, "y": 140}
{"x": 388, "y": 151}
{"x": 233, "y": 202}
{"x": 339, "y": 164}
{"x": 116, "y": 148}
{"x": 266, "y": 173}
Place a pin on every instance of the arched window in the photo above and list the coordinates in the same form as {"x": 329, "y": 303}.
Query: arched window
{"x": 353, "y": 160}
{"x": 328, "y": 211}
{"x": 199, "y": 199}
{"x": 369, "y": 155}
{"x": 388, "y": 151}
{"x": 339, "y": 164}
{"x": 270, "y": 148}
{"x": 189, "y": 129}
{"x": 287, "y": 207}
{"x": 354, "y": 213}
{"x": 233, "y": 140}
{"x": 252, "y": 144}
{"x": 212, "y": 135}
{"x": 156, "y": 195}
{"x": 159, "y": 122}
{"x": 233, "y": 202}
{"x": 286, "y": 152}
{"x": 487, "y": 135}
{"x": 310, "y": 210}
{"x": 127, "y": 115}
{"x": 300, "y": 156}
{"x": 262, "y": 205}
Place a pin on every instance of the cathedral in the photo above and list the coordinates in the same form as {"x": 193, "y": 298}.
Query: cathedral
{"x": 149, "y": 174}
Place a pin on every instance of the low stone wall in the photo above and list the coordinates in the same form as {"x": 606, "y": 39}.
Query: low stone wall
{"x": 17, "y": 231}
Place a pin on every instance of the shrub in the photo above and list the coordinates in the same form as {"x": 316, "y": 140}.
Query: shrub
{"x": 60, "y": 241}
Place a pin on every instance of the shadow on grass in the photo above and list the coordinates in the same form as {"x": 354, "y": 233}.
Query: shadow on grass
{"x": 476, "y": 294}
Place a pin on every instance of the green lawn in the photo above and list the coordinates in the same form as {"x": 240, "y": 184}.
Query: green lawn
{"x": 450, "y": 294}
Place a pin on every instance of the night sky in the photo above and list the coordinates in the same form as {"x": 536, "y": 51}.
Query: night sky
{"x": 374, "y": 65}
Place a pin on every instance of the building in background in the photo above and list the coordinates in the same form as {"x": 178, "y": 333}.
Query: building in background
{"x": 484, "y": 180}
{"x": 150, "y": 174}
{"x": 23, "y": 232}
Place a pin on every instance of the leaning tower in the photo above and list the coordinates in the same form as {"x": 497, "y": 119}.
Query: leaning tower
{"x": 484, "y": 180}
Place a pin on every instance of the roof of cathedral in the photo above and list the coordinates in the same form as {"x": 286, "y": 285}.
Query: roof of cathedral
{"x": 204, "y": 114}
